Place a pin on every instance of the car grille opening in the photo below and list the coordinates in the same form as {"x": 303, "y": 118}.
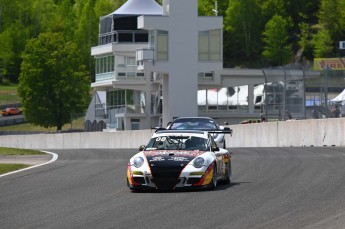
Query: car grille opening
{"x": 193, "y": 180}
{"x": 166, "y": 177}
{"x": 139, "y": 180}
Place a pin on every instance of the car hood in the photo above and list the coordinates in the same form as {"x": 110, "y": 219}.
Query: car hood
{"x": 171, "y": 157}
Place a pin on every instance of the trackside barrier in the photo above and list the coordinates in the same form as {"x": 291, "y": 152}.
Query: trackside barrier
{"x": 292, "y": 133}
{"x": 295, "y": 133}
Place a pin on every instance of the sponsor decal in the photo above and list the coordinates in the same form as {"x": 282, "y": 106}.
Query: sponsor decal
{"x": 329, "y": 63}
{"x": 165, "y": 153}
{"x": 178, "y": 159}
{"x": 158, "y": 158}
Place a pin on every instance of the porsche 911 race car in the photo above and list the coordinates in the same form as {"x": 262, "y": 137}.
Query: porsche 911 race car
{"x": 199, "y": 123}
{"x": 179, "y": 159}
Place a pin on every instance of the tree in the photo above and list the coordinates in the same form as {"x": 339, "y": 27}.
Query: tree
{"x": 244, "y": 23}
{"x": 277, "y": 49}
{"x": 272, "y": 7}
{"x": 322, "y": 44}
{"x": 43, "y": 14}
{"x": 52, "y": 84}
{"x": 104, "y": 7}
{"x": 65, "y": 19}
{"x": 206, "y": 7}
{"x": 12, "y": 43}
{"x": 331, "y": 25}
{"x": 86, "y": 34}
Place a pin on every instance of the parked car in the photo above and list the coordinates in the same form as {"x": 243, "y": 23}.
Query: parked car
{"x": 179, "y": 159}
{"x": 11, "y": 111}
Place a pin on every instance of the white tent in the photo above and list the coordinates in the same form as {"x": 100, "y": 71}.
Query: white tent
{"x": 340, "y": 97}
{"x": 139, "y": 7}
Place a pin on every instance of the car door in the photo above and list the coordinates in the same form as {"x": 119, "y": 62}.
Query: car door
{"x": 219, "y": 157}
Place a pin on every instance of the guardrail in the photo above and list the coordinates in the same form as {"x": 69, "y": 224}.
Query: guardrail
{"x": 12, "y": 121}
{"x": 3, "y": 106}
{"x": 295, "y": 133}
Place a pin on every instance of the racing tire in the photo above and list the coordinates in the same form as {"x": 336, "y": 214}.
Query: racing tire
{"x": 228, "y": 175}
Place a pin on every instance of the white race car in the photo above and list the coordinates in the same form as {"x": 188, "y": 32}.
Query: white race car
{"x": 179, "y": 159}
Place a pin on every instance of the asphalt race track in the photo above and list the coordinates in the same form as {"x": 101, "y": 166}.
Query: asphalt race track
{"x": 272, "y": 188}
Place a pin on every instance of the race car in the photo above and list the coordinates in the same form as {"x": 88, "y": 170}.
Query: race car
{"x": 179, "y": 159}
{"x": 199, "y": 123}
{"x": 11, "y": 111}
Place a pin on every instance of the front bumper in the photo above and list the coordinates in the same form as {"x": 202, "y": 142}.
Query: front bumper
{"x": 169, "y": 179}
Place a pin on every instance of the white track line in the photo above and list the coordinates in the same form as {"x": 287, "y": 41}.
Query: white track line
{"x": 54, "y": 158}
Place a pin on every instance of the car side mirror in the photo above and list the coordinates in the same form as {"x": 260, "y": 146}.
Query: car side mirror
{"x": 214, "y": 148}
{"x": 226, "y": 128}
{"x": 141, "y": 148}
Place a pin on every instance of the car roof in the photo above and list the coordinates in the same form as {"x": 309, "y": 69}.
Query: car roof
{"x": 208, "y": 118}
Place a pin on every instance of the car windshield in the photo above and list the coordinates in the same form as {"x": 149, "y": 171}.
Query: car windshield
{"x": 193, "y": 124}
{"x": 178, "y": 143}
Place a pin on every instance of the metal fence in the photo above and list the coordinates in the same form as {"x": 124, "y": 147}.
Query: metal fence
{"x": 294, "y": 94}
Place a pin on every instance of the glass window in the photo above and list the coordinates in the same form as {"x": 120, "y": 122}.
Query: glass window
{"x": 105, "y": 64}
{"x": 162, "y": 45}
{"x": 210, "y": 45}
{"x": 135, "y": 124}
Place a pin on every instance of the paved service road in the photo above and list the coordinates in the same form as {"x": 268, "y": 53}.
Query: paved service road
{"x": 272, "y": 188}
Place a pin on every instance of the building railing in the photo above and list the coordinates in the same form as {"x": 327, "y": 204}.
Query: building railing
{"x": 121, "y": 74}
{"x": 127, "y": 36}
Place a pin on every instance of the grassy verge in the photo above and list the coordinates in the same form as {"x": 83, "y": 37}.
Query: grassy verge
{"x": 5, "y": 168}
{"x": 14, "y": 151}
{"x": 8, "y": 94}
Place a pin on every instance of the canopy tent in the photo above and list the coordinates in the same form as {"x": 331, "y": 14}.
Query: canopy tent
{"x": 129, "y": 9}
{"x": 340, "y": 97}
{"x": 139, "y": 7}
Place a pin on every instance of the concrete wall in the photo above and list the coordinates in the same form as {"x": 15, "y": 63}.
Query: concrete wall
{"x": 312, "y": 132}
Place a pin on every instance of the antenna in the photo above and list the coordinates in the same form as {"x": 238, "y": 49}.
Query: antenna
{"x": 216, "y": 8}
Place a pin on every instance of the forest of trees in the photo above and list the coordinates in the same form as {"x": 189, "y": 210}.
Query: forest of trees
{"x": 257, "y": 33}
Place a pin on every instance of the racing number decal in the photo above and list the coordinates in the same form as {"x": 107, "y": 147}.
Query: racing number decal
{"x": 160, "y": 139}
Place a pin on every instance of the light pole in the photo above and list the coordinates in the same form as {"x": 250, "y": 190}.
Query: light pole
{"x": 215, "y": 10}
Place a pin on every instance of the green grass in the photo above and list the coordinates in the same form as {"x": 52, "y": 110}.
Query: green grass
{"x": 15, "y": 151}
{"x": 5, "y": 168}
{"x": 8, "y": 94}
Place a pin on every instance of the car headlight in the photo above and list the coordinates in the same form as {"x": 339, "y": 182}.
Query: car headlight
{"x": 138, "y": 162}
{"x": 198, "y": 162}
